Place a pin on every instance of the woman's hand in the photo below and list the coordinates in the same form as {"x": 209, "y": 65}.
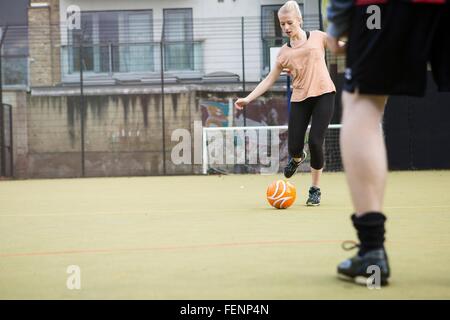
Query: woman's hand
{"x": 286, "y": 70}
{"x": 336, "y": 46}
{"x": 241, "y": 103}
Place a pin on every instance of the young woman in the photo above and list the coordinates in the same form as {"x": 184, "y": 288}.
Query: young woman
{"x": 313, "y": 93}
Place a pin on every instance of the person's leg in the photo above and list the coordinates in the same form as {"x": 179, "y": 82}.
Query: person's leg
{"x": 389, "y": 61}
{"x": 299, "y": 118}
{"x": 440, "y": 51}
{"x": 364, "y": 157}
{"x": 315, "y": 177}
{"x": 363, "y": 150}
{"x": 321, "y": 117}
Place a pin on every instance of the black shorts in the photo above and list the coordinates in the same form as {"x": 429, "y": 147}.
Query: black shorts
{"x": 392, "y": 60}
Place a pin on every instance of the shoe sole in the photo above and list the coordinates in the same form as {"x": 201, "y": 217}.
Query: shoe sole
{"x": 313, "y": 204}
{"x": 289, "y": 176}
{"x": 360, "y": 280}
{"x": 301, "y": 161}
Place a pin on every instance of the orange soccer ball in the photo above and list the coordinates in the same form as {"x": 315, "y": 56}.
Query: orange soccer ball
{"x": 281, "y": 194}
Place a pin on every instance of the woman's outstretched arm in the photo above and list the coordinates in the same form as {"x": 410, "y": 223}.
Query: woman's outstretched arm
{"x": 261, "y": 88}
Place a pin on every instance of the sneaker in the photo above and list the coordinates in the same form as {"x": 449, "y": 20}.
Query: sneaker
{"x": 314, "y": 197}
{"x": 292, "y": 166}
{"x": 356, "y": 269}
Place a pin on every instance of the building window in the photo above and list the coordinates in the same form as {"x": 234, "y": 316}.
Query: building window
{"x": 138, "y": 52}
{"x": 14, "y": 56}
{"x": 113, "y": 41}
{"x": 272, "y": 35}
{"x": 179, "y": 40}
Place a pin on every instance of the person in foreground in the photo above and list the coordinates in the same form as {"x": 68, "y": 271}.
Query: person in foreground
{"x": 388, "y": 58}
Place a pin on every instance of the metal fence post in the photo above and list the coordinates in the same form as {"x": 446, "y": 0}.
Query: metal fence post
{"x": 2, "y": 118}
{"x": 82, "y": 106}
{"x": 162, "y": 101}
{"x": 243, "y": 90}
{"x": 2, "y": 144}
{"x": 11, "y": 140}
{"x": 243, "y": 66}
{"x": 111, "y": 60}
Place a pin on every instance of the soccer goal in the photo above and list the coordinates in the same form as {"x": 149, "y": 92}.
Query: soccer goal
{"x": 259, "y": 149}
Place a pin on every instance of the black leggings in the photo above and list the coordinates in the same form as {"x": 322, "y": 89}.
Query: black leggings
{"x": 320, "y": 109}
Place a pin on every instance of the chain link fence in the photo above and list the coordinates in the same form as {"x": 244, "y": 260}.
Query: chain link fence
{"x": 107, "y": 98}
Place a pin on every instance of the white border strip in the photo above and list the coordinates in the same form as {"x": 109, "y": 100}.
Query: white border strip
{"x": 331, "y": 126}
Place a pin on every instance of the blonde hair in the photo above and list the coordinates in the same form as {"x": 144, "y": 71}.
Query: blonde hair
{"x": 291, "y": 7}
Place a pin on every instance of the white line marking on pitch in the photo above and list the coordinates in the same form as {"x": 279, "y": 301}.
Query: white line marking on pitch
{"x": 165, "y": 211}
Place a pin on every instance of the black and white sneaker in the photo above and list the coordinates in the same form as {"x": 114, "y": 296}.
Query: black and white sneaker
{"x": 292, "y": 165}
{"x": 314, "y": 197}
{"x": 359, "y": 269}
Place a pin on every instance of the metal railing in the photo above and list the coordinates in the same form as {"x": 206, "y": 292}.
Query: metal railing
{"x": 132, "y": 58}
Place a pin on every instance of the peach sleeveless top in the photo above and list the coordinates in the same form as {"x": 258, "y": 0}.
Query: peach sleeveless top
{"x": 308, "y": 68}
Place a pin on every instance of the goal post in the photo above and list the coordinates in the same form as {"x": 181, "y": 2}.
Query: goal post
{"x": 259, "y": 149}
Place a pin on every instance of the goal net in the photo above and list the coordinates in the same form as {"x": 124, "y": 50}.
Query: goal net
{"x": 260, "y": 149}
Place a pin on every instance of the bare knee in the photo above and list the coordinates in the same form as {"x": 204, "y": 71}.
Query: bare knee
{"x": 362, "y": 107}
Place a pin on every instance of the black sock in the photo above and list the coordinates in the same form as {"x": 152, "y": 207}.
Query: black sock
{"x": 370, "y": 228}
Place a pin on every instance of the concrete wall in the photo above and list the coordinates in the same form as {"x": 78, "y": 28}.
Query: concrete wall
{"x": 44, "y": 43}
{"x": 123, "y": 134}
{"x": 40, "y": 46}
